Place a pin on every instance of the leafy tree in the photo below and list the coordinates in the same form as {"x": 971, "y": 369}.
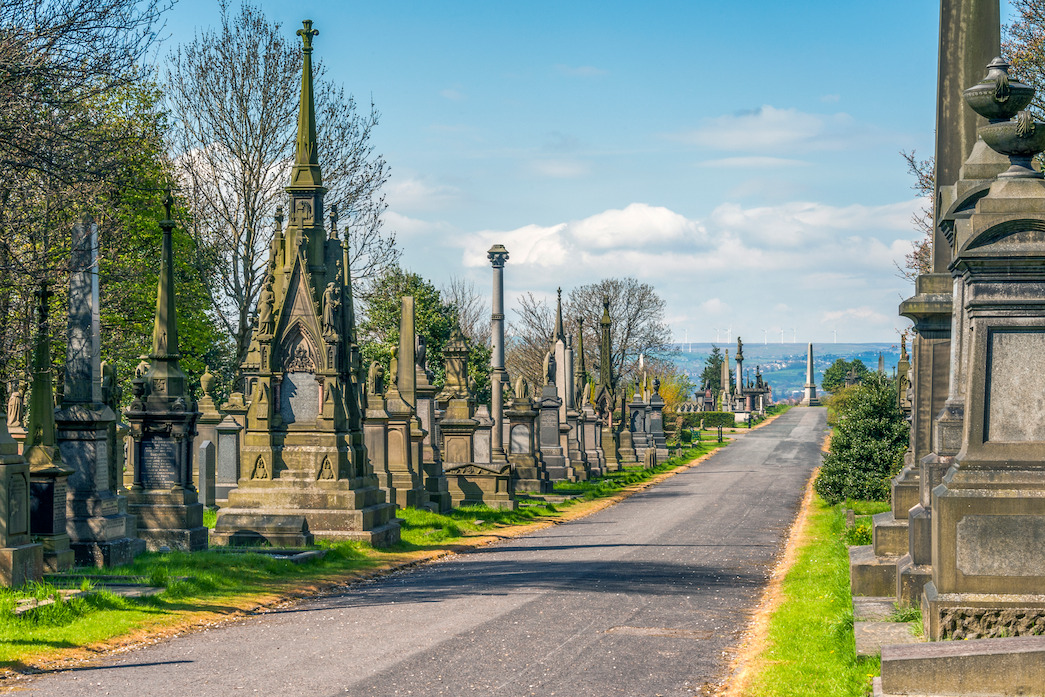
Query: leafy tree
{"x": 434, "y": 320}
{"x": 712, "y": 373}
{"x": 835, "y": 375}
{"x": 867, "y": 445}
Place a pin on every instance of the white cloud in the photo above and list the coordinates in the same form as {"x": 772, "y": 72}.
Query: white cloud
{"x": 714, "y": 306}
{"x": 638, "y": 225}
{"x": 769, "y": 129}
{"x": 415, "y": 194}
{"x": 405, "y": 226}
{"x": 453, "y": 94}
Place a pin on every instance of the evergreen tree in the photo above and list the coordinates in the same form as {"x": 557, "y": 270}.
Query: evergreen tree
{"x": 868, "y": 443}
{"x": 712, "y": 373}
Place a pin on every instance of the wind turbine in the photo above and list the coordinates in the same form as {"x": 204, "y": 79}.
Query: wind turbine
{"x": 794, "y": 335}
{"x": 765, "y": 337}
{"x": 781, "y": 335}
{"x": 718, "y": 336}
{"x": 835, "y": 332}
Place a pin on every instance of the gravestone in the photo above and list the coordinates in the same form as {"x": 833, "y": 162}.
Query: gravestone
{"x": 100, "y": 531}
{"x": 304, "y": 471}
{"x": 205, "y": 464}
{"x": 21, "y": 560}
{"x": 47, "y": 472}
{"x": 227, "y": 470}
{"x": 471, "y": 477}
{"x": 528, "y": 468}
{"x": 207, "y": 430}
{"x": 162, "y": 419}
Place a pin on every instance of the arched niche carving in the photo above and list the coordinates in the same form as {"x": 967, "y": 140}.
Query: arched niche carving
{"x": 299, "y": 351}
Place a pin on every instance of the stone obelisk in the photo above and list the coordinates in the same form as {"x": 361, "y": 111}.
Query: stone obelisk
{"x": 100, "y": 531}
{"x": 810, "y": 399}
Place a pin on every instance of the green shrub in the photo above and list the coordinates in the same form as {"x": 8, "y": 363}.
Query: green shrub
{"x": 867, "y": 446}
{"x": 685, "y": 436}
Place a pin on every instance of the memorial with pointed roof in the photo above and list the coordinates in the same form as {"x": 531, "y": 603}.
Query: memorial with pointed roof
{"x": 304, "y": 467}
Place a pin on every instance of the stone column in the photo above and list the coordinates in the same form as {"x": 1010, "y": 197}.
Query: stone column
{"x": 498, "y": 255}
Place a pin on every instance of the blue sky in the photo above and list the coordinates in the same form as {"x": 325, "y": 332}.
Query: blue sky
{"x": 741, "y": 157}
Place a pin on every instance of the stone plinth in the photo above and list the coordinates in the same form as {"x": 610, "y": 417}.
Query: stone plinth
{"x": 21, "y": 560}
{"x": 101, "y": 532}
{"x": 558, "y": 467}
{"x": 528, "y": 469}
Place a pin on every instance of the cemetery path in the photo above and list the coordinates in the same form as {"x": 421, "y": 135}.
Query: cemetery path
{"x": 642, "y": 598}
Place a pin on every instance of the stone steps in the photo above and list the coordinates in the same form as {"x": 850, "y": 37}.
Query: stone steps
{"x": 973, "y": 668}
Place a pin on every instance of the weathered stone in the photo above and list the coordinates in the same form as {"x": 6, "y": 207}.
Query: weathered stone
{"x": 981, "y": 668}
{"x": 21, "y": 560}
{"x": 302, "y": 451}
{"x": 227, "y": 471}
{"x": 162, "y": 420}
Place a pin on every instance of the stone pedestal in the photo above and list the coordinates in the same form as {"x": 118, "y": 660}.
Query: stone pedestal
{"x": 592, "y": 441}
{"x": 21, "y": 560}
{"x": 100, "y": 531}
{"x": 559, "y": 469}
{"x": 655, "y": 422}
{"x": 528, "y": 471}
{"x": 436, "y": 487}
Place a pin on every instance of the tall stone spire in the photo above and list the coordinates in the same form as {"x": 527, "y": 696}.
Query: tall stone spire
{"x": 580, "y": 370}
{"x": 39, "y": 428}
{"x": 306, "y": 172}
{"x": 166, "y": 379}
{"x": 558, "y": 333}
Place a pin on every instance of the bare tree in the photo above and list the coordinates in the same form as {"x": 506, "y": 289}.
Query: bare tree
{"x": 528, "y": 339}
{"x": 919, "y": 259}
{"x": 234, "y": 92}
{"x": 473, "y": 312}
{"x": 637, "y": 311}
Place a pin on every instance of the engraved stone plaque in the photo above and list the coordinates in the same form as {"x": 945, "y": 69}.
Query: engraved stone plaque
{"x": 18, "y": 497}
{"x": 1001, "y": 545}
{"x": 1015, "y": 385}
{"x": 481, "y": 446}
{"x": 549, "y": 427}
{"x": 299, "y": 398}
{"x": 159, "y": 464}
{"x": 227, "y": 472}
{"x": 520, "y": 441}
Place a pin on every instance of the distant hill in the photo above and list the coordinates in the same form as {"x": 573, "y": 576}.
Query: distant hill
{"x": 784, "y": 365}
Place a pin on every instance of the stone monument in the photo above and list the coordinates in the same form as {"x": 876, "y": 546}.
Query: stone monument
{"x": 21, "y": 559}
{"x": 304, "y": 467}
{"x": 404, "y": 472}
{"x": 100, "y": 531}
{"x": 988, "y": 511}
{"x": 809, "y": 399}
{"x": 605, "y": 391}
{"x": 528, "y": 472}
{"x": 162, "y": 419}
{"x": 48, "y": 475}
{"x": 498, "y": 256}
{"x": 471, "y": 476}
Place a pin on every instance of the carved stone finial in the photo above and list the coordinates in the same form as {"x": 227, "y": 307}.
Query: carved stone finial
{"x": 307, "y": 33}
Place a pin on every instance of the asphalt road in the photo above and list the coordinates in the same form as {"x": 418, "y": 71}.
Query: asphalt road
{"x": 640, "y": 599}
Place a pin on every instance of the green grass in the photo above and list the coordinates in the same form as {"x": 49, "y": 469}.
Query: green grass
{"x": 613, "y": 482}
{"x": 867, "y": 507}
{"x": 221, "y": 582}
{"x": 810, "y": 649}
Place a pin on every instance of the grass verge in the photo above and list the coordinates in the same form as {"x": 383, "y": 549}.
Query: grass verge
{"x": 209, "y": 588}
{"x": 808, "y": 646}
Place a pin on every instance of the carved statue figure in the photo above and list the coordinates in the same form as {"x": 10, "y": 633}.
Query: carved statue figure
{"x": 549, "y": 368}
{"x": 268, "y": 298}
{"x": 393, "y": 367}
{"x": 375, "y": 380}
{"x": 112, "y": 393}
{"x": 521, "y": 389}
{"x": 15, "y": 408}
{"x": 330, "y": 306}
